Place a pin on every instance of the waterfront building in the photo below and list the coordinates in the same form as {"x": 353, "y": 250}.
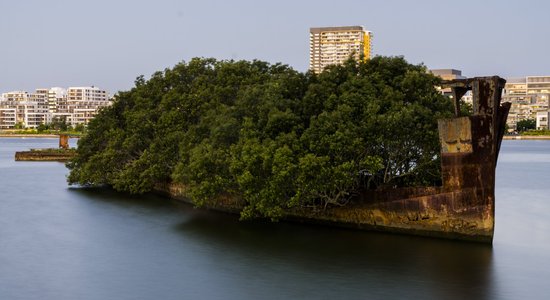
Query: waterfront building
{"x": 15, "y": 105}
{"x": 37, "y": 109}
{"x": 77, "y": 105}
{"x": 529, "y": 96}
{"x": 8, "y": 117}
{"x": 83, "y": 103}
{"x": 20, "y": 107}
{"x": 334, "y": 45}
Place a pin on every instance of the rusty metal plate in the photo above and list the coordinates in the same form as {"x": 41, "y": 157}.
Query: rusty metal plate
{"x": 455, "y": 135}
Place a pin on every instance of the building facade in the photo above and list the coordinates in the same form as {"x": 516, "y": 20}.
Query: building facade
{"x": 542, "y": 120}
{"x": 20, "y": 107}
{"x": 334, "y": 45}
{"x": 57, "y": 98}
{"x": 86, "y": 94}
{"x": 530, "y": 97}
{"x": 76, "y": 105}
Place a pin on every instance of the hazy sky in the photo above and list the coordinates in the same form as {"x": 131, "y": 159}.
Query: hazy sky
{"x": 108, "y": 43}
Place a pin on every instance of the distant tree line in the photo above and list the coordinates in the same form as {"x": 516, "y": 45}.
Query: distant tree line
{"x": 57, "y": 125}
{"x": 60, "y": 124}
{"x": 270, "y": 135}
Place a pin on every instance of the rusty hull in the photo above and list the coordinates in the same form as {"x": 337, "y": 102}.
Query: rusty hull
{"x": 464, "y": 206}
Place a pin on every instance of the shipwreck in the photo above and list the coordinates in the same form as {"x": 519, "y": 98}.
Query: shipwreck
{"x": 462, "y": 207}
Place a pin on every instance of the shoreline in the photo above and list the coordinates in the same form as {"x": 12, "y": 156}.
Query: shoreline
{"x": 526, "y": 137}
{"x": 50, "y": 135}
{"x": 35, "y": 135}
{"x": 14, "y": 135}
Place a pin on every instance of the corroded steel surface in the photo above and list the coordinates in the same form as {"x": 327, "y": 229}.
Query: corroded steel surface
{"x": 456, "y": 135}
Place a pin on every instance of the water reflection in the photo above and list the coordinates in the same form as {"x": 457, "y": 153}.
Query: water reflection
{"x": 358, "y": 261}
{"x": 150, "y": 202}
{"x": 272, "y": 260}
{"x": 294, "y": 259}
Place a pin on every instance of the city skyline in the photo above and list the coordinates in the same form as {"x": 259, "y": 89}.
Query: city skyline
{"x": 109, "y": 44}
{"x": 60, "y": 88}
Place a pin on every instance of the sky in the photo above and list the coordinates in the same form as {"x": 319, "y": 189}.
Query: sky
{"x": 108, "y": 43}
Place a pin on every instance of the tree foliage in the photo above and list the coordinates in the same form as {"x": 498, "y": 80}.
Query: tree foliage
{"x": 525, "y": 125}
{"x": 268, "y": 134}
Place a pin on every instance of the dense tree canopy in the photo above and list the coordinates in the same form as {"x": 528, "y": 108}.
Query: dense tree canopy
{"x": 268, "y": 134}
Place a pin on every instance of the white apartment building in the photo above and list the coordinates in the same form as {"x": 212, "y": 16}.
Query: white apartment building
{"x": 334, "y": 45}
{"x": 77, "y": 105}
{"x": 8, "y": 117}
{"x": 84, "y": 103}
{"x": 22, "y": 107}
{"x": 56, "y": 98}
{"x": 91, "y": 93}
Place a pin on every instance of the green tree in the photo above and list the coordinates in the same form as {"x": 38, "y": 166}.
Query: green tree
{"x": 59, "y": 123}
{"x": 527, "y": 124}
{"x": 79, "y": 127}
{"x": 267, "y": 134}
{"x": 42, "y": 127}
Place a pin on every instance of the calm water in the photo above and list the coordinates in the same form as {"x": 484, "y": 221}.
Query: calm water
{"x": 58, "y": 242}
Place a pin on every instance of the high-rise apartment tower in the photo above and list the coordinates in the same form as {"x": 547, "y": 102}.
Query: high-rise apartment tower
{"x": 334, "y": 45}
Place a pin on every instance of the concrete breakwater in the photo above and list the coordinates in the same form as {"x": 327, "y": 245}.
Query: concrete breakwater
{"x": 61, "y": 155}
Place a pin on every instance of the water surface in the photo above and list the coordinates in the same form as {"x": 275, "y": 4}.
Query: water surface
{"x": 58, "y": 242}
